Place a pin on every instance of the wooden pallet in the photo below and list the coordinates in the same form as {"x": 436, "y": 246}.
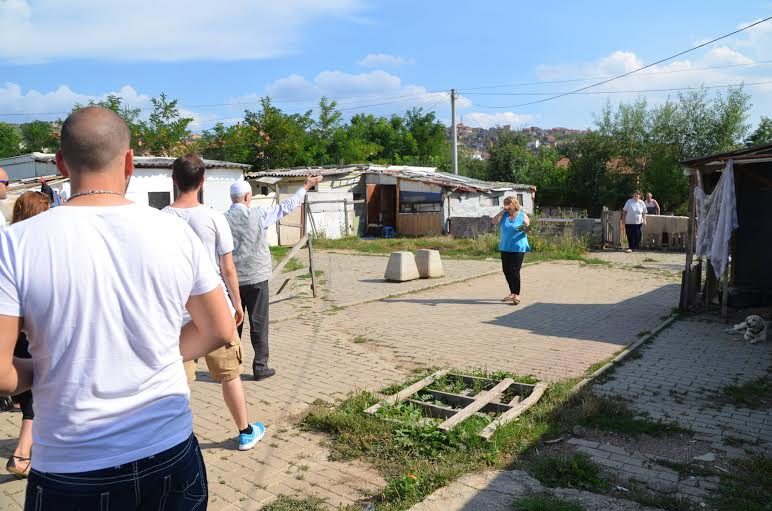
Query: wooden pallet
{"x": 482, "y": 403}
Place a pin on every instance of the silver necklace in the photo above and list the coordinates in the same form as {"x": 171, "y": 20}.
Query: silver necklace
{"x": 94, "y": 192}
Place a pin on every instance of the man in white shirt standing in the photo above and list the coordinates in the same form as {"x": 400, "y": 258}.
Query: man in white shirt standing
{"x": 253, "y": 260}
{"x": 634, "y": 215}
{"x": 4, "y": 181}
{"x": 213, "y": 231}
{"x": 99, "y": 287}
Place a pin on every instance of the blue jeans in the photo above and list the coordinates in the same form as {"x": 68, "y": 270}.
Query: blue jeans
{"x": 173, "y": 480}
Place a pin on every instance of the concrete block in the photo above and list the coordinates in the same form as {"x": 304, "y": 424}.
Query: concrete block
{"x": 401, "y": 267}
{"x": 429, "y": 263}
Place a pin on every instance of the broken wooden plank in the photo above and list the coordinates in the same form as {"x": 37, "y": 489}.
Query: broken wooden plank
{"x": 515, "y": 400}
{"x": 292, "y": 253}
{"x": 515, "y": 412}
{"x": 289, "y": 276}
{"x": 523, "y": 388}
{"x": 457, "y": 399}
{"x": 482, "y": 399}
{"x": 409, "y": 391}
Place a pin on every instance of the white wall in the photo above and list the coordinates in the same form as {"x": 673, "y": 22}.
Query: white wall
{"x": 216, "y": 185}
{"x": 330, "y": 218}
{"x": 479, "y": 204}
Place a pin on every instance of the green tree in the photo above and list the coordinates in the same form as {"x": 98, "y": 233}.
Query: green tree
{"x": 281, "y": 140}
{"x": 39, "y": 136}
{"x": 128, "y": 114}
{"x": 10, "y": 141}
{"x": 592, "y": 185}
{"x": 510, "y": 159}
{"x": 166, "y": 131}
{"x": 763, "y": 133}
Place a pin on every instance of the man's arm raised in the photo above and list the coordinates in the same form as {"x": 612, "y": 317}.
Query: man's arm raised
{"x": 275, "y": 213}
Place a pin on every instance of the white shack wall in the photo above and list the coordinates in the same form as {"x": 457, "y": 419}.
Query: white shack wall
{"x": 330, "y": 217}
{"x": 474, "y": 205}
{"x": 216, "y": 185}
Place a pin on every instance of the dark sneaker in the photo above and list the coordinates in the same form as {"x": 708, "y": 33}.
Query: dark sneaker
{"x": 262, "y": 375}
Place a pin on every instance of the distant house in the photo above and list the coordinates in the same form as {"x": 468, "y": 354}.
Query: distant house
{"x": 151, "y": 183}
{"x": 367, "y": 199}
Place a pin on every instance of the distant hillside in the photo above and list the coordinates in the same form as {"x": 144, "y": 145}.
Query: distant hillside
{"x": 478, "y": 139}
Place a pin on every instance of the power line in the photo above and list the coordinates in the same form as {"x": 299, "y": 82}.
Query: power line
{"x": 541, "y": 82}
{"x": 643, "y": 67}
{"x": 636, "y": 91}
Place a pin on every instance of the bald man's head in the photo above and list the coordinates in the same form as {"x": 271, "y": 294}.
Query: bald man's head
{"x": 3, "y": 185}
{"x": 94, "y": 139}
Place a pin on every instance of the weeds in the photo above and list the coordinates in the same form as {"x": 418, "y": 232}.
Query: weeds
{"x": 544, "y": 246}
{"x": 545, "y": 503}
{"x": 644, "y": 497}
{"x": 286, "y": 503}
{"x": 643, "y": 333}
{"x": 686, "y": 469}
{"x": 577, "y": 471}
{"x": 418, "y": 458}
{"x": 748, "y": 487}
{"x": 753, "y": 394}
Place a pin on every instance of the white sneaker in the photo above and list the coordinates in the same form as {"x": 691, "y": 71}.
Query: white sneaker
{"x": 628, "y": 251}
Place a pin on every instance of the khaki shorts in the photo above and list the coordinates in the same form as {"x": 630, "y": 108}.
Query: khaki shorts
{"x": 224, "y": 363}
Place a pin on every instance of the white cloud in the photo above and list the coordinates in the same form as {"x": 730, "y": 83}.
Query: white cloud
{"x": 148, "y": 30}
{"x": 486, "y": 120}
{"x": 384, "y": 60}
{"x": 375, "y": 91}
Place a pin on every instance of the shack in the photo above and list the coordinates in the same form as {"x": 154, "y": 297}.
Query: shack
{"x": 748, "y": 279}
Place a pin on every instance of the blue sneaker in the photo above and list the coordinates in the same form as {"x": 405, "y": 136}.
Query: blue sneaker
{"x": 247, "y": 442}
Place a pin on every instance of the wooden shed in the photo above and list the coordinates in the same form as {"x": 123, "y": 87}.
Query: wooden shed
{"x": 748, "y": 281}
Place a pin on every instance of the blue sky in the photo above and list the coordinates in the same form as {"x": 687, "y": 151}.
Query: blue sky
{"x": 366, "y": 53}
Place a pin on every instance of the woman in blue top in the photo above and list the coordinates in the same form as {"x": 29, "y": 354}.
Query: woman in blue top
{"x": 513, "y": 244}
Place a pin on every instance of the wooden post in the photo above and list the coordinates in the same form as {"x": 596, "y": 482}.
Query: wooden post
{"x": 396, "y": 209}
{"x": 686, "y": 280}
{"x": 345, "y": 216}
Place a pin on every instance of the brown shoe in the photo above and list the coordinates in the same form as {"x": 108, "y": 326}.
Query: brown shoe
{"x": 19, "y": 470}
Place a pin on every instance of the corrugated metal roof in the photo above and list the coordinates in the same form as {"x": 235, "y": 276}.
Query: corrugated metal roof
{"x": 748, "y": 154}
{"x": 424, "y": 174}
{"x": 154, "y": 162}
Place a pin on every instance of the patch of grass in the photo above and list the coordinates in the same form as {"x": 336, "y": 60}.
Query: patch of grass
{"x": 545, "y": 503}
{"x": 643, "y": 333}
{"x": 753, "y": 394}
{"x": 747, "y": 487}
{"x": 595, "y": 260}
{"x": 317, "y": 274}
{"x": 360, "y": 339}
{"x": 417, "y": 459}
{"x": 639, "y": 267}
{"x": 610, "y": 414}
{"x": 733, "y": 441}
{"x": 649, "y": 260}
{"x": 577, "y": 471}
{"x": 597, "y": 365}
{"x": 292, "y": 265}
{"x": 545, "y": 247}
{"x": 287, "y": 503}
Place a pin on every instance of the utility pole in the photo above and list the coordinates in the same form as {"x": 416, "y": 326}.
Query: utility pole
{"x": 453, "y": 130}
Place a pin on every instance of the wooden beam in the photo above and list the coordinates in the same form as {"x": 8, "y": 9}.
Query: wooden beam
{"x": 292, "y": 253}
{"x": 480, "y": 401}
{"x": 686, "y": 282}
{"x": 515, "y": 412}
{"x": 409, "y": 391}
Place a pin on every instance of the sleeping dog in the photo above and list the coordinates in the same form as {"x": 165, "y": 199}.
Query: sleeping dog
{"x": 755, "y": 329}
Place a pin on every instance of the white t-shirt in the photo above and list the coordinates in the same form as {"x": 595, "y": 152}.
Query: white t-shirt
{"x": 101, "y": 291}
{"x": 634, "y": 211}
{"x": 214, "y": 232}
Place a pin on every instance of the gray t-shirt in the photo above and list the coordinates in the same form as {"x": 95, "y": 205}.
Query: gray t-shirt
{"x": 213, "y": 231}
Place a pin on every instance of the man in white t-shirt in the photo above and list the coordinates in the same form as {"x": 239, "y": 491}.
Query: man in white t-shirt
{"x": 213, "y": 231}
{"x": 4, "y": 181}
{"x": 634, "y": 215}
{"x": 99, "y": 286}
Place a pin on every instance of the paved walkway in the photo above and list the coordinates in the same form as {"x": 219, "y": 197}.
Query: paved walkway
{"x": 572, "y": 315}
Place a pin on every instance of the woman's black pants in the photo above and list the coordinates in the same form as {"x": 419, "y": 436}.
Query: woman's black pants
{"x": 510, "y": 264}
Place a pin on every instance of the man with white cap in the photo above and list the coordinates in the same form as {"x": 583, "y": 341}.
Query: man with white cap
{"x": 253, "y": 260}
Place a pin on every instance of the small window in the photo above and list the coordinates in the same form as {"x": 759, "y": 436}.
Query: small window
{"x": 520, "y": 199}
{"x": 264, "y": 190}
{"x": 159, "y": 200}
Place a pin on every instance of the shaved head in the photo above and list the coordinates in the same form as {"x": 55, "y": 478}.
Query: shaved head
{"x": 3, "y": 186}
{"x": 93, "y": 139}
